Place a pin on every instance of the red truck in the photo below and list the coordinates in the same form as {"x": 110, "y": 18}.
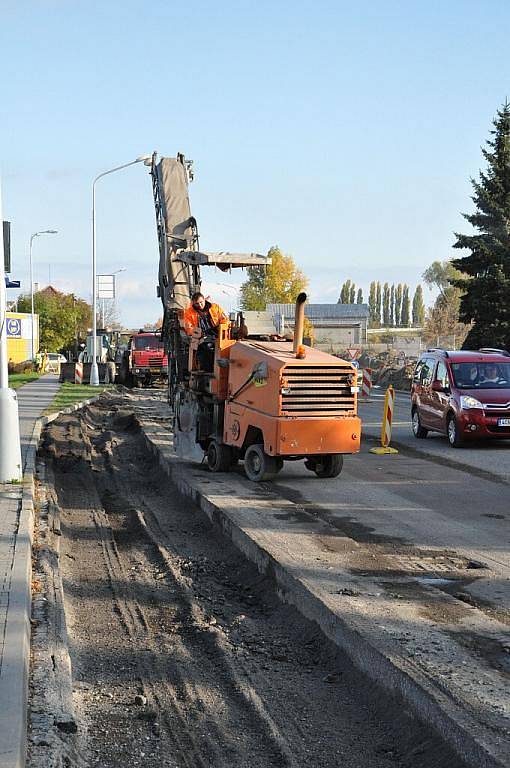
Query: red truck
{"x": 144, "y": 361}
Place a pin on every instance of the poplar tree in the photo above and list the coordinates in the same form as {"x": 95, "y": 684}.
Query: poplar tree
{"x": 359, "y": 298}
{"x": 418, "y": 307}
{"x": 378, "y": 303}
{"x": 398, "y": 304}
{"x": 406, "y": 307}
{"x": 386, "y": 304}
{"x": 486, "y": 284}
{"x": 372, "y": 304}
{"x": 352, "y": 294}
{"x": 392, "y": 305}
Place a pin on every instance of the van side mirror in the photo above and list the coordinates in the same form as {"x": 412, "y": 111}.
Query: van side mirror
{"x": 438, "y": 387}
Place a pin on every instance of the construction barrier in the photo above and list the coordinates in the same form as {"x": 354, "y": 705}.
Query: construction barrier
{"x": 389, "y": 403}
{"x": 366, "y": 383}
{"x": 78, "y": 373}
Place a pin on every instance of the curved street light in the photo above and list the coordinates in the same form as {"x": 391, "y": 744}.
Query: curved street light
{"x": 94, "y": 371}
{"x": 32, "y": 238}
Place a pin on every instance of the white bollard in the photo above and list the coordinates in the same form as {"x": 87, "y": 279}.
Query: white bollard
{"x": 10, "y": 451}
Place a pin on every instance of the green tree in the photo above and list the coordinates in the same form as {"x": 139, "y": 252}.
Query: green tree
{"x": 63, "y": 318}
{"x": 386, "y": 305}
{"x": 372, "y": 305}
{"x": 398, "y": 304}
{"x": 486, "y": 280}
{"x": 279, "y": 283}
{"x": 345, "y": 293}
{"x": 378, "y": 303}
{"x": 352, "y": 294}
{"x": 392, "y": 305}
{"x": 418, "y": 307}
{"x": 405, "y": 318}
{"x": 359, "y": 297}
{"x": 443, "y": 318}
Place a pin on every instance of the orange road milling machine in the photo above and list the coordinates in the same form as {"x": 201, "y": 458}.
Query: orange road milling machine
{"x": 266, "y": 400}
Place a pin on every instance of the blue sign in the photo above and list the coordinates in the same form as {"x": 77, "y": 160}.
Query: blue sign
{"x": 12, "y": 283}
{"x": 14, "y": 327}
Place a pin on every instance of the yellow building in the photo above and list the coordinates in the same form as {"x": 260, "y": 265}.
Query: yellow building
{"x": 19, "y": 336}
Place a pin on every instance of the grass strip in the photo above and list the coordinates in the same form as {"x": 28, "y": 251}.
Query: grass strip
{"x": 70, "y": 393}
{"x": 17, "y": 380}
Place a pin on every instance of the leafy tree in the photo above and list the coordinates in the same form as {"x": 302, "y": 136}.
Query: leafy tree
{"x": 352, "y": 294}
{"x": 443, "y": 318}
{"x": 386, "y": 304}
{"x": 279, "y": 283}
{"x": 345, "y": 293}
{"x": 486, "y": 280}
{"x": 372, "y": 305}
{"x": 63, "y": 318}
{"x": 378, "y": 302}
{"x": 398, "y": 304}
{"x": 392, "y": 304}
{"x": 406, "y": 307}
{"x": 418, "y": 307}
{"x": 359, "y": 298}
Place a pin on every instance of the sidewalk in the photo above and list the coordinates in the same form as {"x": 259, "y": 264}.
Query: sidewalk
{"x": 15, "y": 571}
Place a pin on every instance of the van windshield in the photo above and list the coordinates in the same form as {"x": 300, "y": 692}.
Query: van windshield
{"x": 481, "y": 375}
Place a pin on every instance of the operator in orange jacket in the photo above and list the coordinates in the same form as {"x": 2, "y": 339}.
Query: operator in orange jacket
{"x": 205, "y": 316}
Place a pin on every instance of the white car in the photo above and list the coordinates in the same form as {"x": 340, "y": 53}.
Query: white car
{"x": 56, "y": 357}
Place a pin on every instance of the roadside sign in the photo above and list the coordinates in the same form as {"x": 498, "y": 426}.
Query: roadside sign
{"x": 7, "y": 245}
{"x": 14, "y": 327}
{"x": 353, "y": 353}
{"x": 106, "y": 286}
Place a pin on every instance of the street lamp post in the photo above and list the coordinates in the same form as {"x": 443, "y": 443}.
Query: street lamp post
{"x": 94, "y": 371}
{"x": 32, "y": 238}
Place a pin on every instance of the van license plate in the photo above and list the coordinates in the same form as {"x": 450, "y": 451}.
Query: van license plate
{"x": 503, "y": 422}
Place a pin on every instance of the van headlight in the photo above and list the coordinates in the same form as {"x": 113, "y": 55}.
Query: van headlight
{"x": 469, "y": 402}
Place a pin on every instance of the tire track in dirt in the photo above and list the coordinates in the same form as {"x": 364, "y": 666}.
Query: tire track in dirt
{"x": 162, "y": 607}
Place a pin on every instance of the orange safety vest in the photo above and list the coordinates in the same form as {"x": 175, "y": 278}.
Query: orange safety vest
{"x": 192, "y": 320}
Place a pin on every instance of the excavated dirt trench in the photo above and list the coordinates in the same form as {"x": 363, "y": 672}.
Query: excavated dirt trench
{"x": 182, "y": 654}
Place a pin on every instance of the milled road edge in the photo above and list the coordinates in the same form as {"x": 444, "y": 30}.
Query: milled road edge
{"x": 433, "y": 708}
{"x": 16, "y": 658}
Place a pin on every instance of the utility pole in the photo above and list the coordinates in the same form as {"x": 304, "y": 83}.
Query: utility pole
{"x": 10, "y": 447}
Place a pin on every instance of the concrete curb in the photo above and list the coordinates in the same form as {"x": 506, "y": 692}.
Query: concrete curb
{"x": 401, "y": 680}
{"x": 15, "y": 673}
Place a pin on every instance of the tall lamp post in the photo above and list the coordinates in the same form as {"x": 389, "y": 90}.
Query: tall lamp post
{"x": 94, "y": 371}
{"x": 32, "y": 238}
{"x": 10, "y": 447}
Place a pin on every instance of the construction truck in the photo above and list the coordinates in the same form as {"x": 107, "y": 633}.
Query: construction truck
{"x": 144, "y": 362}
{"x": 267, "y": 400}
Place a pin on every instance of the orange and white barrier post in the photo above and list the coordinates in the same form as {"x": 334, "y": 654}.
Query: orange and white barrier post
{"x": 78, "y": 373}
{"x": 389, "y": 404}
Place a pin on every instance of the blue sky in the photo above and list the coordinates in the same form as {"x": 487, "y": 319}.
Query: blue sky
{"x": 344, "y": 132}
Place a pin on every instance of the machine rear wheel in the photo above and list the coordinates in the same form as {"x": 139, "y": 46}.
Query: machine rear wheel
{"x": 219, "y": 457}
{"x": 258, "y": 466}
{"x": 329, "y": 465}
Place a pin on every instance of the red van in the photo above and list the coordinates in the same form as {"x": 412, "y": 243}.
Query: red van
{"x": 463, "y": 395}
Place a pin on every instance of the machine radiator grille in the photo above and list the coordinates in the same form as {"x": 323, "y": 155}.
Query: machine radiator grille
{"x": 155, "y": 362}
{"x": 322, "y": 390}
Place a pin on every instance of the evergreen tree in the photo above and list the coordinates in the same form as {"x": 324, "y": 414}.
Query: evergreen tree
{"x": 386, "y": 305}
{"x": 418, "y": 307}
{"x": 352, "y": 295}
{"x": 486, "y": 285}
{"x": 372, "y": 305}
{"x": 378, "y": 304}
{"x": 359, "y": 297}
{"x": 398, "y": 304}
{"x": 392, "y": 305}
{"x": 406, "y": 307}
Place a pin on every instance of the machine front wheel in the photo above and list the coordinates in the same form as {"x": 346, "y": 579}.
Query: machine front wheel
{"x": 219, "y": 457}
{"x": 329, "y": 465}
{"x": 258, "y": 466}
